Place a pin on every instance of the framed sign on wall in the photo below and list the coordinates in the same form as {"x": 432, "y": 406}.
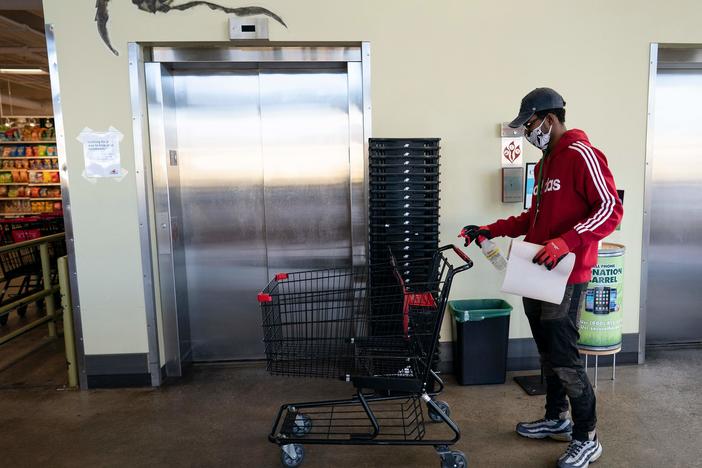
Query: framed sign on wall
{"x": 529, "y": 182}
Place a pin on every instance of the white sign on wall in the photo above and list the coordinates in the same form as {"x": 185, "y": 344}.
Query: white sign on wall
{"x": 512, "y": 150}
{"x": 101, "y": 152}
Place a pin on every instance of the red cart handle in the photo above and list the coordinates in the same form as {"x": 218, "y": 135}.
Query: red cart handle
{"x": 463, "y": 255}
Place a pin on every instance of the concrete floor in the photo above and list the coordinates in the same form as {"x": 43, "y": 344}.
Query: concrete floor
{"x": 220, "y": 415}
{"x": 32, "y": 360}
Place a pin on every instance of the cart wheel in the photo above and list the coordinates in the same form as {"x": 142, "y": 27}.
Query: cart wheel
{"x": 3, "y": 320}
{"x": 287, "y": 460}
{"x": 22, "y": 311}
{"x": 455, "y": 459}
{"x": 302, "y": 425}
{"x": 443, "y": 406}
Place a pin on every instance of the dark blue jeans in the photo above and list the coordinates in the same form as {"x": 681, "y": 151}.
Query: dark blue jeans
{"x": 555, "y": 330}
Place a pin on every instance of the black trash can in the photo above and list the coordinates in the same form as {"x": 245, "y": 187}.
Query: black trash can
{"x": 481, "y": 331}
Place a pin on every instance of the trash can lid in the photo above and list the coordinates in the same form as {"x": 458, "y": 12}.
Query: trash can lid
{"x": 472, "y": 310}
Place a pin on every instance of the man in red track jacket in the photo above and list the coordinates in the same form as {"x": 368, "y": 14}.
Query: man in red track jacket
{"x": 574, "y": 205}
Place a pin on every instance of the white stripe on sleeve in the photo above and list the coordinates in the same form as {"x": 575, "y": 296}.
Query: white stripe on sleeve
{"x": 608, "y": 200}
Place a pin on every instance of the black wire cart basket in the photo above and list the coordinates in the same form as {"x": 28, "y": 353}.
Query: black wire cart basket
{"x": 367, "y": 326}
{"x": 20, "y": 270}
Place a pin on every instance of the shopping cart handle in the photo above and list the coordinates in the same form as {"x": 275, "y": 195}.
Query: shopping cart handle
{"x": 460, "y": 253}
{"x": 463, "y": 255}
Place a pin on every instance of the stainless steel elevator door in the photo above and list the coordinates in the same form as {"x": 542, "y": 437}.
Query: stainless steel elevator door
{"x": 674, "y": 295}
{"x": 264, "y": 173}
{"x": 221, "y": 174}
{"x": 305, "y": 135}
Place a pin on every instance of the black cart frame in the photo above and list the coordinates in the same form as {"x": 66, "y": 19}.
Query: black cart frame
{"x": 363, "y": 325}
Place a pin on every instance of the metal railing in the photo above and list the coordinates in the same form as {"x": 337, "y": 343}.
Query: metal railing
{"x": 68, "y": 334}
{"x": 46, "y": 293}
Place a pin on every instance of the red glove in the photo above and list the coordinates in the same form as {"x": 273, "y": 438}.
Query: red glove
{"x": 475, "y": 233}
{"x": 552, "y": 253}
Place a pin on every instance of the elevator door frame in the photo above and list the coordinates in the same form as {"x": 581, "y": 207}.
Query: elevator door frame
{"x": 151, "y": 159}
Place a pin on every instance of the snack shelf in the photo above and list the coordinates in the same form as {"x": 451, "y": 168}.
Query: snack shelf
{"x": 30, "y": 170}
{"x": 20, "y": 142}
{"x": 15, "y": 158}
{"x": 29, "y": 213}
{"x": 42, "y": 184}
{"x": 31, "y": 198}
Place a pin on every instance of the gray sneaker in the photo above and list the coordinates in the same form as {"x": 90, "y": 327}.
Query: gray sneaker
{"x": 580, "y": 454}
{"x": 558, "y": 429}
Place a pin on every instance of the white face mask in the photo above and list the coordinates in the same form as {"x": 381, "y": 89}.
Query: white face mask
{"x": 538, "y": 138}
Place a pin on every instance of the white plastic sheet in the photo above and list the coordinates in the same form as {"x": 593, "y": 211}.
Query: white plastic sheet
{"x": 527, "y": 279}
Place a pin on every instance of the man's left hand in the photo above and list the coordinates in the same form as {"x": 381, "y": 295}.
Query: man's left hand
{"x": 552, "y": 253}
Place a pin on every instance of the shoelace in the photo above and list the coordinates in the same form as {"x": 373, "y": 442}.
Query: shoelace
{"x": 574, "y": 448}
{"x": 544, "y": 420}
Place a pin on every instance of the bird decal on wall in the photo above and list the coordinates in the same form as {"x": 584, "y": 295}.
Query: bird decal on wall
{"x": 164, "y": 6}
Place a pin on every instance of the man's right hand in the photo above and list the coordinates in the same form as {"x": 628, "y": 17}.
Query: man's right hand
{"x": 475, "y": 233}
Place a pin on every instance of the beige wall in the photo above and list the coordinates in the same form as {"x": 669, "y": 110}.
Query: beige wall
{"x": 453, "y": 69}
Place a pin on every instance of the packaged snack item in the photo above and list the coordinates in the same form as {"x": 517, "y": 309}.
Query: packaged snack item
{"x": 57, "y": 207}
{"x": 7, "y": 151}
{"x": 55, "y": 177}
{"x": 21, "y": 191}
{"x": 33, "y": 164}
{"x": 5, "y": 164}
{"x": 34, "y": 192}
{"x": 46, "y": 177}
{"x": 41, "y": 150}
{"x": 3, "y": 191}
{"x": 51, "y": 151}
{"x": 43, "y": 193}
{"x": 12, "y": 192}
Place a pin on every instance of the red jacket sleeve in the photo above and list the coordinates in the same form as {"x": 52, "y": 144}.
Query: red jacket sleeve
{"x": 600, "y": 192}
{"x": 514, "y": 226}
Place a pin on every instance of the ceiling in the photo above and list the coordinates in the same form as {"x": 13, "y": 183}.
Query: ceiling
{"x": 23, "y": 45}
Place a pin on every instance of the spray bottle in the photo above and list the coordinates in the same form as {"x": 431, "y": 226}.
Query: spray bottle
{"x": 492, "y": 253}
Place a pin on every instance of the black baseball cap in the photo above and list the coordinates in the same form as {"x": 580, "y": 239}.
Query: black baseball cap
{"x": 537, "y": 100}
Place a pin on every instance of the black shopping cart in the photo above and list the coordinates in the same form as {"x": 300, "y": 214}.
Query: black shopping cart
{"x": 366, "y": 326}
{"x": 20, "y": 269}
